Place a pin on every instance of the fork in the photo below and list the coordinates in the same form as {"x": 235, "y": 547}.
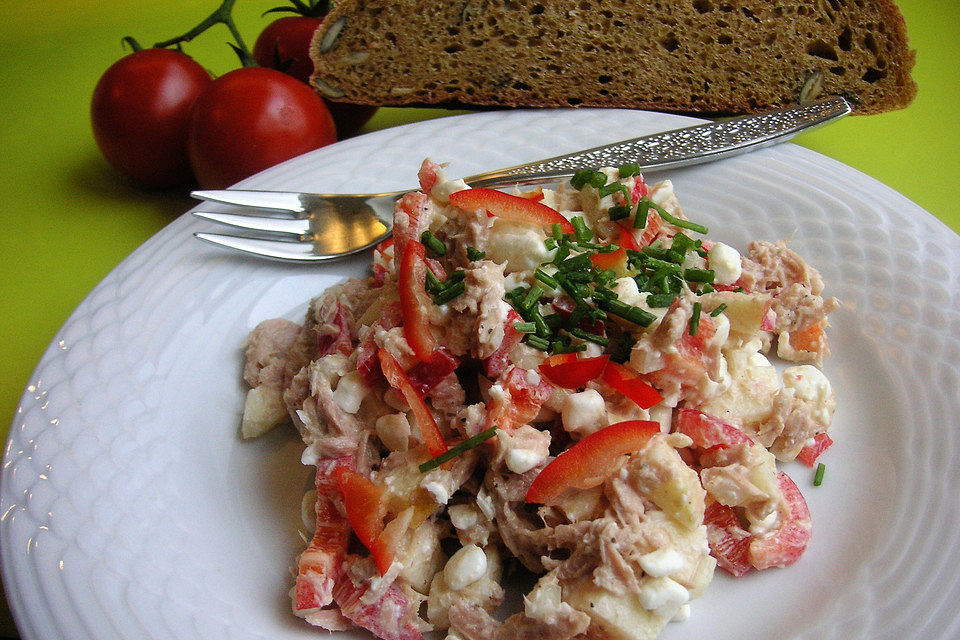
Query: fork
{"x": 313, "y": 227}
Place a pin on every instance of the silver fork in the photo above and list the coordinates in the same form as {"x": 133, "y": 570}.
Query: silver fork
{"x": 312, "y": 227}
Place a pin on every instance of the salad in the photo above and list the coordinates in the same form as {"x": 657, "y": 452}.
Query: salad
{"x": 570, "y": 387}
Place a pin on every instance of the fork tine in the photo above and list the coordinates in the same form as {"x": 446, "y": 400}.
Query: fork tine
{"x": 277, "y": 249}
{"x": 278, "y": 200}
{"x": 297, "y": 227}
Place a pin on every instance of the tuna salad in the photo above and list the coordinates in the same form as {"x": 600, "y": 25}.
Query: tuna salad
{"x": 572, "y": 390}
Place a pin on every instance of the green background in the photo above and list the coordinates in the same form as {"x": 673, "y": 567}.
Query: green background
{"x": 66, "y": 219}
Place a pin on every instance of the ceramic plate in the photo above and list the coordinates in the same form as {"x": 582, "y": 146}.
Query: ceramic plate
{"x": 130, "y": 508}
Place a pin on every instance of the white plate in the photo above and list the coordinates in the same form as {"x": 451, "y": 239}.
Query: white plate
{"x": 130, "y": 508}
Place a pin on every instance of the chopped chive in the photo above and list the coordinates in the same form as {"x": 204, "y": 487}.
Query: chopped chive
{"x": 457, "y": 450}
{"x": 695, "y": 319}
{"x": 698, "y": 275}
{"x": 474, "y": 254}
{"x": 433, "y": 244}
{"x": 580, "y": 277}
{"x": 662, "y": 266}
{"x": 718, "y": 310}
{"x": 580, "y": 262}
{"x": 541, "y": 344}
{"x": 580, "y": 178}
{"x": 643, "y": 207}
{"x": 636, "y": 315}
{"x": 533, "y": 295}
{"x": 597, "y": 179}
{"x": 556, "y": 231}
{"x": 449, "y": 293}
{"x": 628, "y": 170}
{"x": 550, "y": 244}
{"x": 659, "y": 300}
{"x": 558, "y": 346}
{"x": 707, "y": 288}
{"x": 545, "y": 278}
{"x": 818, "y": 476}
{"x": 431, "y": 283}
{"x": 580, "y": 230}
{"x": 622, "y": 348}
{"x": 619, "y": 212}
{"x": 562, "y": 252}
{"x": 589, "y": 337}
{"x": 613, "y": 187}
{"x": 525, "y": 327}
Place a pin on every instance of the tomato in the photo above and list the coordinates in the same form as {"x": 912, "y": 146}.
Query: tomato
{"x": 250, "y": 119}
{"x": 140, "y": 110}
{"x": 520, "y": 401}
{"x": 706, "y": 431}
{"x": 589, "y": 461}
{"x": 284, "y": 45}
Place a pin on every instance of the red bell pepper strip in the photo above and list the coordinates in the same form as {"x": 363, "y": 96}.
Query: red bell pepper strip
{"x": 573, "y": 373}
{"x": 809, "y": 454}
{"x": 589, "y": 461}
{"x": 616, "y": 260}
{"x": 398, "y": 379}
{"x": 706, "y": 431}
{"x": 366, "y": 507}
{"x": 414, "y": 300}
{"x": 729, "y": 542}
{"x": 790, "y": 540}
{"x": 631, "y": 385}
{"x": 510, "y": 207}
{"x": 499, "y": 360}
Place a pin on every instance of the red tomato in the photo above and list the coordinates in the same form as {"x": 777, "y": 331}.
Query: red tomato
{"x": 284, "y": 45}
{"x": 250, "y": 119}
{"x": 140, "y": 110}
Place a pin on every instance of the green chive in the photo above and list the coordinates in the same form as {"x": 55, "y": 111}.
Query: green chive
{"x": 698, "y": 275}
{"x": 474, "y": 254}
{"x": 597, "y": 179}
{"x": 623, "y": 347}
{"x": 431, "y": 283}
{"x": 580, "y": 262}
{"x": 718, "y": 310}
{"x": 629, "y": 170}
{"x": 433, "y": 244}
{"x": 580, "y": 178}
{"x": 525, "y": 327}
{"x": 636, "y": 315}
{"x": 643, "y": 207}
{"x": 546, "y": 279}
{"x": 818, "y": 476}
{"x": 457, "y": 450}
{"x": 550, "y": 244}
{"x": 619, "y": 212}
{"x": 538, "y": 343}
{"x": 613, "y": 187}
{"x": 449, "y": 293}
{"x": 659, "y": 300}
{"x": 533, "y": 295}
{"x": 589, "y": 337}
{"x": 695, "y": 319}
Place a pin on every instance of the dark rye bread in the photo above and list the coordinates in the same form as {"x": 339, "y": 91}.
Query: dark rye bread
{"x": 694, "y": 56}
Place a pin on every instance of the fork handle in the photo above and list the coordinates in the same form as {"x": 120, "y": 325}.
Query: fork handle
{"x": 680, "y": 147}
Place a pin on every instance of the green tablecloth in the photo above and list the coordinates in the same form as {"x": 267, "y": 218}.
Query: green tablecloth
{"x": 67, "y": 219}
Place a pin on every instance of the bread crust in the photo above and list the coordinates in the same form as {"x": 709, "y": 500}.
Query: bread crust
{"x": 689, "y": 56}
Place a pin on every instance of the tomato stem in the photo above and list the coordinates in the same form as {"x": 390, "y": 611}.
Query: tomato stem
{"x": 221, "y": 15}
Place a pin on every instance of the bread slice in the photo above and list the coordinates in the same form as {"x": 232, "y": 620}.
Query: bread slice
{"x": 694, "y": 56}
